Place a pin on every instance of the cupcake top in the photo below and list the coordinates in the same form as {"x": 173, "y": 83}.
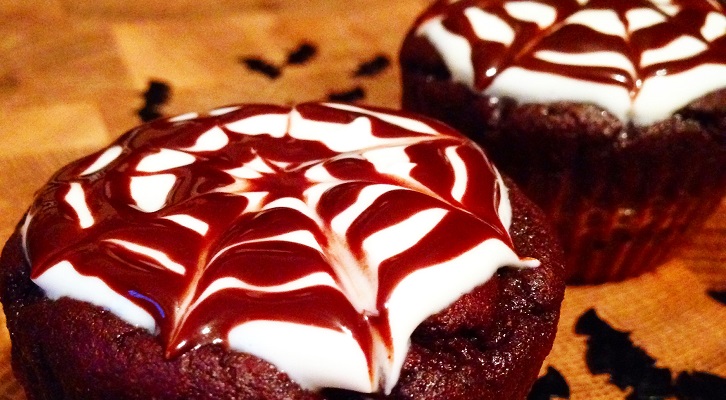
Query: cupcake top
{"x": 641, "y": 60}
{"x": 316, "y": 237}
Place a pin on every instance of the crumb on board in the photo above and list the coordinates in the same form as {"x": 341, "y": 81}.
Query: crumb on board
{"x": 155, "y": 96}
{"x": 548, "y": 385}
{"x": 257, "y": 64}
{"x": 302, "y": 54}
{"x": 348, "y": 96}
{"x": 373, "y": 67}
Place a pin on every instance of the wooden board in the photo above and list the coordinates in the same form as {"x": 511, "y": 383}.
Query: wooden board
{"x": 72, "y": 74}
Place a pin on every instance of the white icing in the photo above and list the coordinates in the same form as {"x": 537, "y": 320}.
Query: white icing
{"x": 24, "y": 235}
{"x": 256, "y": 199}
{"x": 454, "y": 49}
{"x": 211, "y": 140}
{"x": 400, "y": 237}
{"x": 164, "y": 160}
{"x": 293, "y": 204}
{"x": 305, "y": 238}
{"x": 184, "y": 117}
{"x": 106, "y": 158}
{"x": 715, "y": 26}
{"x": 461, "y": 178}
{"x": 76, "y": 198}
{"x": 366, "y": 197}
{"x": 258, "y": 164}
{"x": 489, "y": 27}
{"x": 187, "y": 221}
{"x": 338, "y": 137}
{"x": 541, "y": 87}
{"x": 274, "y": 125}
{"x": 541, "y": 14}
{"x": 681, "y": 48}
{"x": 407, "y": 309}
{"x": 314, "y": 357}
{"x": 244, "y": 172}
{"x": 603, "y": 21}
{"x": 403, "y": 122}
{"x": 640, "y": 18}
{"x": 391, "y": 161}
{"x": 656, "y": 92}
{"x": 505, "y": 207}
{"x": 227, "y": 283}
{"x": 62, "y": 280}
{"x": 670, "y": 9}
{"x": 224, "y": 110}
{"x": 150, "y": 192}
{"x": 160, "y": 257}
{"x": 594, "y": 59}
{"x": 318, "y": 173}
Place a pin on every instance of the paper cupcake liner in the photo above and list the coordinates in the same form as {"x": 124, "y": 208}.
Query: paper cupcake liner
{"x": 621, "y": 207}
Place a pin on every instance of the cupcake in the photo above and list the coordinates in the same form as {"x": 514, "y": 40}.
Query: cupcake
{"x": 610, "y": 115}
{"x": 318, "y": 252}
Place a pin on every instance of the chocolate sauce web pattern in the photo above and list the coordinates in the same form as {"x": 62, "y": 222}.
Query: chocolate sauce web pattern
{"x": 628, "y": 56}
{"x": 208, "y": 229}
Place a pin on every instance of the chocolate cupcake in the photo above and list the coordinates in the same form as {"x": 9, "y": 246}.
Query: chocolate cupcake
{"x": 610, "y": 115}
{"x": 323, "y": 251}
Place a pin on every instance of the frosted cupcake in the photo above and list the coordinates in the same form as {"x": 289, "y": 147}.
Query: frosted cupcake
{"x": 318, "y": 252}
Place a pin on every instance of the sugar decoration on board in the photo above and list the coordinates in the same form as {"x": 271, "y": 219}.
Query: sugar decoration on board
{"x": 610, "y": 351}
{"x": 551, "y": 384}
{"x": 157, "y": 94}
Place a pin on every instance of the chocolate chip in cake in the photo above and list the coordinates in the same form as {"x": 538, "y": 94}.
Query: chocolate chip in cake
{"x": 373, "y": 67}
{"x": 610, "y": 351}
{"x": 548, "y": 385}
{"x": 262, "y": 66}
{"x": 302, "y": 54}
{"x": 352, "y": 95}
{"x": 700, "y": 386}
{"x": 718, "y": 295}
{"x": 156, "y": 95}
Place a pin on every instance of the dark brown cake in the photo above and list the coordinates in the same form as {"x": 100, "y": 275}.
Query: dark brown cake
{"x": 624, "y": 180}
{"x": 487, "y": 344}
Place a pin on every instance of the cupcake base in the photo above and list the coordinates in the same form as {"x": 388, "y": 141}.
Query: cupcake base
{"x": 622, "y": 198}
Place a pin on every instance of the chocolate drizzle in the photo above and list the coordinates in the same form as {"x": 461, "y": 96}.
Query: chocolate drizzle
{"x": 621, "y": 43}
{"x": 210, "y": 222}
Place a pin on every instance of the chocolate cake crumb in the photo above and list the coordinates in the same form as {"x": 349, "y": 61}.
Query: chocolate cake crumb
{"x": 718, "y": 295}
{"x": 156, "y": 95}
{"x": 374, "y": 66}
{"x": 262, "y": 66}
{"x": 610, "y": 351}
{"x": 352, "y": 95}
{"x": 700, "y": 386}
{"x": 548, "y": 385}
{"x": 302, "y": 54}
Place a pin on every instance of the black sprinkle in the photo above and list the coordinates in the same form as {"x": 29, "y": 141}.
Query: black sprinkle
{"x": 302, "y": 54}
{"x": 373, "y": 67}
{"x": 719, "y": 296}
{"x": 550, "y": 384}
{"x": 259, "y": 65}
{"x": 348, "y": 96}
{"x": 610, "y": 351}
{"x": 700, "y": 386}
{"x": 156, "y": 95}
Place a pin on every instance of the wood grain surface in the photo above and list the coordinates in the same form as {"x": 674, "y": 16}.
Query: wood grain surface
{"x": 72, "y": 75}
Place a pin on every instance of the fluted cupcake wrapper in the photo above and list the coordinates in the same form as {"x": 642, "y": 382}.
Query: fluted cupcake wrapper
{"x": 622, "y": 198}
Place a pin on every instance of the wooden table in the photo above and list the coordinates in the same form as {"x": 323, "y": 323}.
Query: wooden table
{"x": 72, "y": 74}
